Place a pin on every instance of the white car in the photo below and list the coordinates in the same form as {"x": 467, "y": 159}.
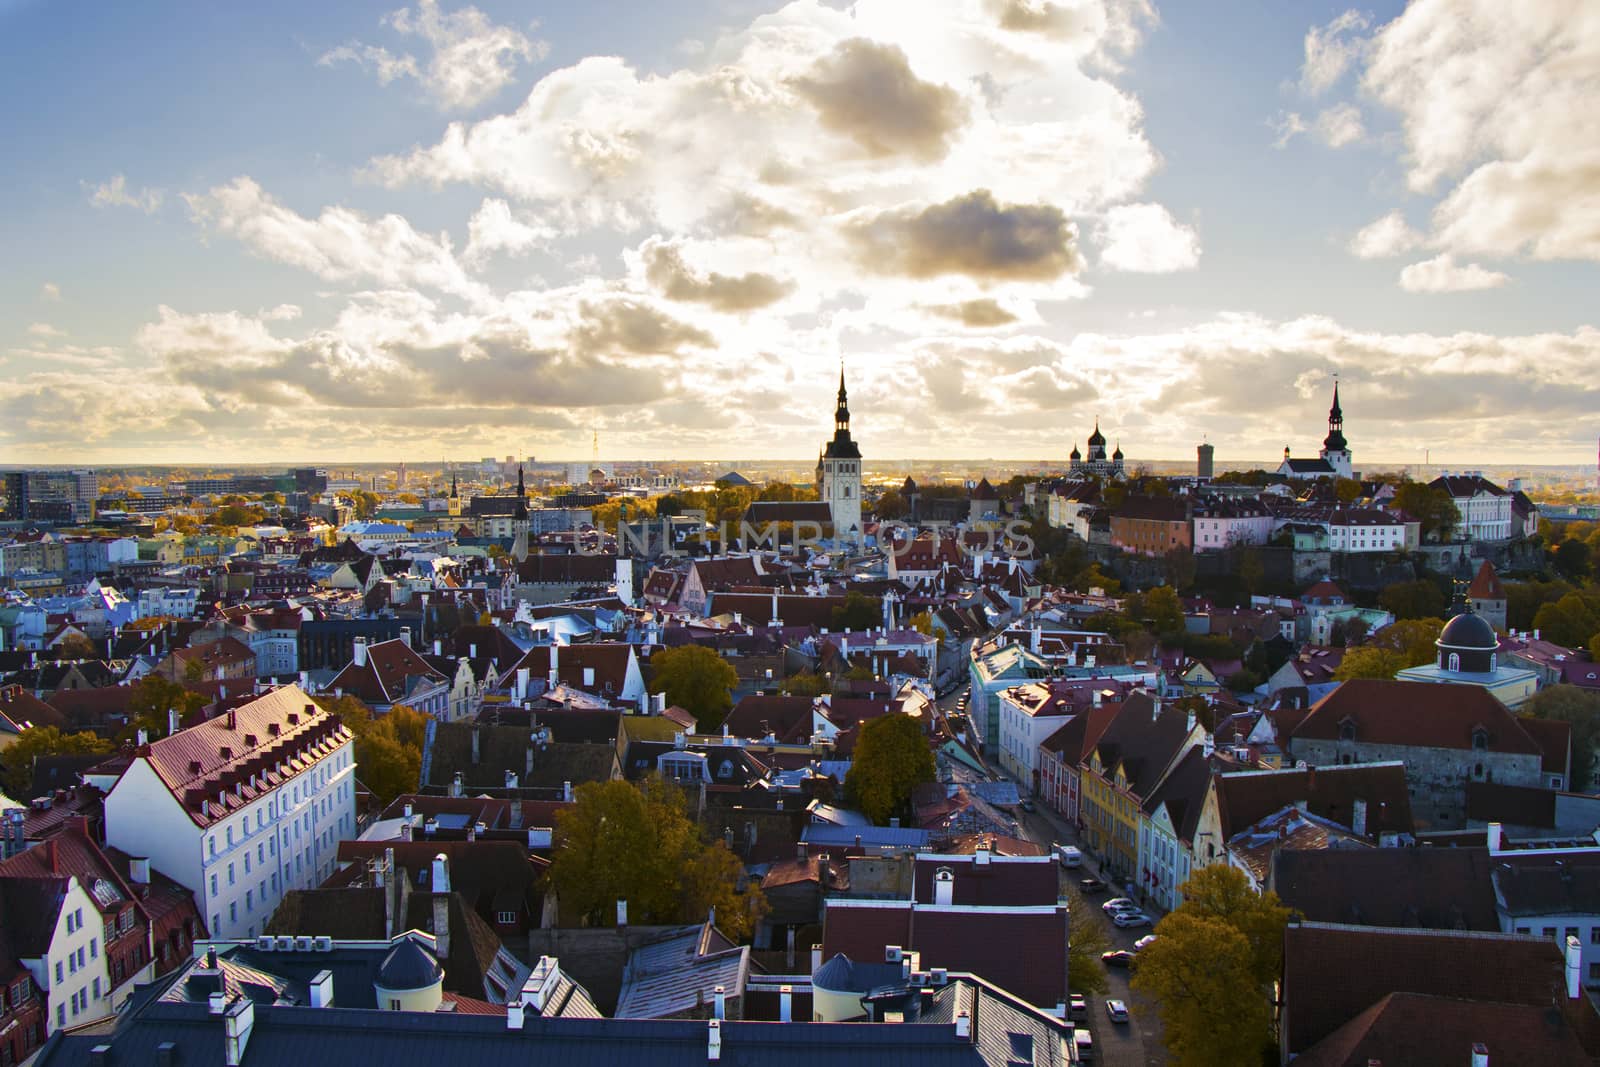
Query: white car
{"x": 1126, "y": 919}
{"x": 1119, "y": 904}
{"x": 1116, "y": 1011}
{"x": 1144, "y": 942}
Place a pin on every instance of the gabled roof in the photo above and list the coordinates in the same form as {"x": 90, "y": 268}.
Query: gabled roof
{"x": 1486, "y": 584}
{"x": 1428, "y": 1031}
{"x": 1431, "y": 888}
{"x": 1333, "y": 973}
{"x": 1008, "y": 882}
{"x": 1416, "y": 714}
{"x": 208, "y": 767}
{"x": 1329, "y": 792}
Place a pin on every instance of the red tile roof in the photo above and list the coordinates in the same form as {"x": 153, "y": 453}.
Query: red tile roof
{"x": 220, "y": 765}
{"x": 1427, "y": 1031}
{"x": 1417, "y": 714}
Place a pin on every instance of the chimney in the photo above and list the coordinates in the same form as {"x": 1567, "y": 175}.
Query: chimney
{"x": 441, "y": 906}
{"x": 522, "y": 683}
{"x": 964, "y": 1026}
{"x": 139, "y": 870}
{"x": 438, "y": 647}
{"x": 588, "y": 677}
{"x": 816, "y": 958}
{"x": 714, "y": 1039}
{"x": 472, "y": 650}
{"x": 237, "y": 1023}
{"x": 555, "y": 663}
{"x": 391, "y": 890}
{"x": 405, "y": 636}
{"x": 172, "y": 721}
{"x": 1358, "y": 817}
{"x": 566, "y": 792}
{"x": 622, "y": 914}
{"x": 477, "y": 745}
{"x": 511, "y": 777}
{"x": 1480, "y": 1054}
{"x": 980, "y": 856}
{"x": 785, "y": 1004}
{"x": 361, "y": 652}
{"x": 514, "y": 1016}
{"x": 944, "y": 887}
{"x": 719, "y": 1002}
{"x": 1574, "y": 968}
{"x": 322, "y": 990}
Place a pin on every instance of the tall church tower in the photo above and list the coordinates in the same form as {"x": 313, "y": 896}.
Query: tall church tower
{"x": 1335, "y": 449}
{"x": 839, "y": 473}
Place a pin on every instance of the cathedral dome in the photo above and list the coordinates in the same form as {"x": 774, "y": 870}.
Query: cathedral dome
{"x": 1468, "y": 632}
{"x": 1075, "y": 453}
{"x": 1097, "y": 438}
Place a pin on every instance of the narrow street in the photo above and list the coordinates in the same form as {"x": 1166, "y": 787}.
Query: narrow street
{"x": 1136, "y": 1043}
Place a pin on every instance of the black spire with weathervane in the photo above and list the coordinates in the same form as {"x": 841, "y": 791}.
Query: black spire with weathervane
{"x": 842, "y": 447}
{"x": 522, "y": 498}
{"x": 1335, "y": 441}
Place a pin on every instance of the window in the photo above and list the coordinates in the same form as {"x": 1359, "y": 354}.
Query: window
{"x": 1572, "y": 931}
{"x": 1594, "y": 972}
{"x": 1549, "y": 931}
{"x": 94, "y": 948}
{"x": 61, "y": 1015}
{"x": 233, "y": 911}
{"x": 59, "y": 976}
{"x": 97, "y": 989}
{"x": 507, "y": 918}
{"x": 249, "y": 900}
{"x": 213, "y": 883}
{"x": 394, "y": 1005}
{"x": 230, "y": 874}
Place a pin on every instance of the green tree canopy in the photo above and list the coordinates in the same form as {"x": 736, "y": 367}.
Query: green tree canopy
{"x": 1086, "y": 939}
{"x": 619, "y": 841}
{"x": 1420, "y": 599}
{"x": 388, "y": 747}
{"x": 858, "y": 612}
{"x": 1580, "y": 708}
{"x": 697, "y": 680}
{"x": 1432, "y": 508}
{"x": 891, "y": 759}
{"x": 16, "y": 759}
{"x": 1199, "y": 972}
{"x": 1370, "y": 661}
{"x": 1212, "y": 967}
{"x": 1572, "y": 621}
{"x": 153, "y": 696}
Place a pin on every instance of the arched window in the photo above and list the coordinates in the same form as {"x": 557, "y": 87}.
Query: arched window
{"x": 1455, "y": 661}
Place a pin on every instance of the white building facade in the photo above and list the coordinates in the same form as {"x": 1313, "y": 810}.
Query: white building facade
{"x": 242, "y": 808}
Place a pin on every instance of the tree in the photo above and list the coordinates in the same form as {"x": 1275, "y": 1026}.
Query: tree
{"x": 1524, "y": 599}
{"x": 1212, "y": 967}
{"x": 805, "y": 684}
{"x": 1581, "y": 709}
{"x": 388, "y": 747}
{"x": 618, "y": 841}
{"x": 1412, "y": 638}
{"x": 76, "y": 646}
{"x": 1161, "y": 609}
{"x": 16, "y": 760}
{"x": 922, "y": 622}
{"x": 1420, "y": 599}
{"x": 1571, "y": 558}
{"x": 1086, "y": 939}
{"x": 697, "y": 680}
{"x": 1433, "y": 509}
{"x": 153, "y": 696}
{"x": 891, "y": 759}
{"x": 1370, "y": 661}
{"x": 1179, "y": 567}
{"x": 1199, "y": 971}
{"x": 858, "y": 612}
{"x": 1348, "y": 490}
{"x": 891, "y": 505}
{"x": 1570, "y": 621}
{"x": 1251, "y": 570}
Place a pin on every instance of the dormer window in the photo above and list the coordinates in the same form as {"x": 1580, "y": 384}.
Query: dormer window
{"x": 1347, "y": 730}
{"x": 1480, "y": 739}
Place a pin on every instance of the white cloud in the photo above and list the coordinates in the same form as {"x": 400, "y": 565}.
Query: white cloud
{"x": 1340, "y": 125}
{"x": 340, "y": 244}
{"x": 44, "y": 329}
{"x": 473, "y": 58}
{"x": 494, "y": 228}
{"x": 1499, "y": 102}
{"x": 1146, "y": 238}
{"x": 1330, "y": 50}
{"x": 50, "y": 292}
{"x": 1336, "y": 126}
{"x": 115, "y": 193}
{"x": 1383, "y": 237}
{"x": 1441, "y": 274}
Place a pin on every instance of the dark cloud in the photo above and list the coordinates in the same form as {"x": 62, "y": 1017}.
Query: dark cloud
{"x": 980, "y": 314}
{"x": 972, "y": 235}
{"x": 666, "y": 270}
{"x": 1041, "y": 16}
{"x": 867, "y": 92}
{"x": 625, "y": 325}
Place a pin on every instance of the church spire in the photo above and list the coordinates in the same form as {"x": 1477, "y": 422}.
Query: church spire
{"x": 1335, "y": 441}
{"x": 522, "y": 497}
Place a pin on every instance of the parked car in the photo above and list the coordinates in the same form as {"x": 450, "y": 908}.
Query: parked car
{"x": 1028, "y": 805}
{"x": 1119, "y": 904}
{"x": 1078, "y": 1007}
{"x": 1117, "y": 958}
{"x": 1117, "y": 1011}
{"x": 1091, "y": 885}
{"x": 1128, "y": 919}
{"x": 1069, "y": 856}
{"x": 1144, "y": 942}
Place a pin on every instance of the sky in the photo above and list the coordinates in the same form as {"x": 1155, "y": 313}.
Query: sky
{"x": 361, "y": 231}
